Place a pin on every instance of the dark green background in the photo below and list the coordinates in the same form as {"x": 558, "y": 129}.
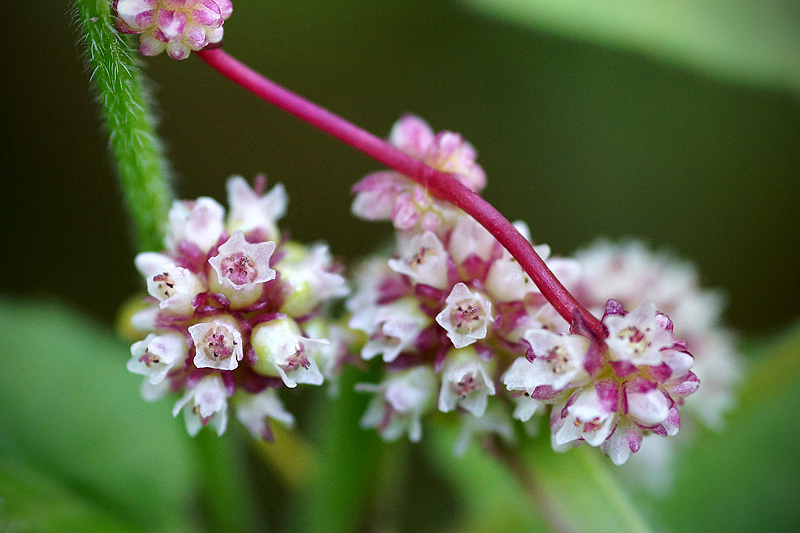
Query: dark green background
{"x": 578, "y": 140}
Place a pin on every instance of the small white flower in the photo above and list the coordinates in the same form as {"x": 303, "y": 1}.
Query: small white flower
{"x": 465, "y": 382}
{"x": 392, "y": 328}
{"x": 647, "y": 405}
{"x": 255, "y": 409}
{"x": 638, "y": 337}
{"x": 558, "y": 362}
{"x": 308, "y": 274}
{"x": 206, "y": 403}
{"x": 241, "y": 269}
{"x": 156, "y": 355}
{"x": 282, "y": 352}
{"x": 468, "y": 238}
{"x": 526, "y": 407}
{"x": 218, "y": 344}
{"x": 176, "y": 290}
{"x": 424, "y": 260}
{"x": 466, "y": 317}
{"x": 198, "y": 222}
{"x": 400, "y": 403}
{"x": 589, "y": 417}
{"x": 249, "y": 211}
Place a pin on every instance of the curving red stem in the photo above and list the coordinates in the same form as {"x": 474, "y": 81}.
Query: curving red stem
{"x": 440, "y": 184}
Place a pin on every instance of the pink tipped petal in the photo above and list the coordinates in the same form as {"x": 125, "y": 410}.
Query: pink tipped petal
{"x": 647, "y": 408}
{"x": 207, "y": 14}
{"x": 225, "y": 8}
{"x": 144, "y": 20}
{"x": 673, "y": 422}
{"x": 195, "y": 37}
{"x": 412, "y": 135}
{"x": 608, "y": 395}
{"x": 172, "y": 24}
{"x": 178, "y": 51}
{"x": 179, "y": 4}
{"x": 150, "y": 46}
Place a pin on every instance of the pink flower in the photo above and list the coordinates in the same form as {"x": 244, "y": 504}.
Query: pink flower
{"x": 177, "y": 26}
{"x": 389, "y": 195}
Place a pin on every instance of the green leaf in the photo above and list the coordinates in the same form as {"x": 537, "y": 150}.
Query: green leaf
{"x": 70, "y": 408}
{"x": 33, "y": 501}
{"x": 753, "y": 41}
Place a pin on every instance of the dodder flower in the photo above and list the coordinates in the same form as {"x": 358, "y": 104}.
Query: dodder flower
{"x": 177, "y": 26}
{"x": 454, "y": 307}
{"x": 387, "y": 195}
{"x": 229, "y": 309}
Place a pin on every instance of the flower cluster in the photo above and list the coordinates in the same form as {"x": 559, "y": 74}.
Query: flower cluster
{"x": 389, "y": 195}
{"x": 234, "y": 311}
{"x": 462, "y": 328}
{"x": 631, "y": 274}
{"x": 177, "y": 26}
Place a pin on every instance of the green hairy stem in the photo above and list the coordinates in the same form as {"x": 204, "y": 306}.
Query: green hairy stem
{"x": 125, "y": 104}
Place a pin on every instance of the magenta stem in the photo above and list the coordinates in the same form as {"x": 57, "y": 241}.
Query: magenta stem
{"x": 440, "y": 184}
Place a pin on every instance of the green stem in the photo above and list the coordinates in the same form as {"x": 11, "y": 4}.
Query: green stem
{"x": 125, "y": 103}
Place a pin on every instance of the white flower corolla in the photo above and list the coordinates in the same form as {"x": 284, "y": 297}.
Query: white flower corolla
{"x": 144, "y": 320}
{"x": 558, "y": 363}
{"x": 370, "y": 278}
{"x": 198, "y": 222}
{"x": 282, "y": 352}
{"x": 588, "y": 415}
{"x": 526, "y": 407}
{"x": 241, "y": 269}
{"x": 470, "y": 238}
{"x": 156, "y": 355}
{"x": 400, "y": 402}
{"x": 250, "y": 211}
{"x": 466, "y": 382}
{"x": 640, "y": 337}
{"x": 255, "y": 410}
{"x": 174, "y": 287}
{"x": 626, "y": 438}
{"x": 206, "y": 403}
{"x": 424, "y": 260}
{"x": 466, "y": 317}
{"x": 330, "y": 357}
{"x": 152, "y": 392}
{"x": 392, "y": 328}
{"x": 647, "y": 405}
{"x": 307, "y": 271}
{"x": 218, "y": 343}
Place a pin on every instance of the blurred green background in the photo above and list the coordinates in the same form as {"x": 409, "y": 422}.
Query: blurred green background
{"x": 579, "y": 139}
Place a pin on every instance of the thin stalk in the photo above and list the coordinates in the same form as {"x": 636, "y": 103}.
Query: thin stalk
{"x": 125, "y": 104}
{"x": 440, "y": 184}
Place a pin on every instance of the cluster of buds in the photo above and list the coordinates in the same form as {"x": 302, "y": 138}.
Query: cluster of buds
{"x": 235, "y": 312}
{"x": 462, "y": 328}
{"x": 177, "y": 26}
